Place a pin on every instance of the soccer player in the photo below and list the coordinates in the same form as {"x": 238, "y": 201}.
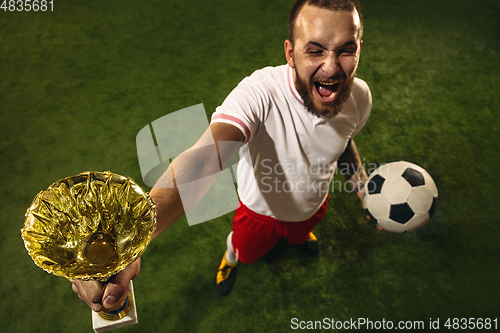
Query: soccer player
{"x": 294, "y": 125}
{"x": 298, "y": 121}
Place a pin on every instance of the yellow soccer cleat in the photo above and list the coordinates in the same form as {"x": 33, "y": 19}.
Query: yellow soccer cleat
{"x": 311, "y": 245}
{"x": 312, "y": 237}
{"x": 225, "y": 276}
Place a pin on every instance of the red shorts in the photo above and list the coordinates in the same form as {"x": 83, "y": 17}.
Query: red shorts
{"x": 254, "y": 235}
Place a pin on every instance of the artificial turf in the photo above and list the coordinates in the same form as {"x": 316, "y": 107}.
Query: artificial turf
{"x": 78, "y": 83}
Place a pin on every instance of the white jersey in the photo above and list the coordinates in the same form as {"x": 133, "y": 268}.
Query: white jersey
{"x": 290, "y": 155}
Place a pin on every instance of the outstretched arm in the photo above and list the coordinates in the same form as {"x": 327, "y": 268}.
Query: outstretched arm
{"x": 195, "y": 163}
{"x": 351, "y": 167}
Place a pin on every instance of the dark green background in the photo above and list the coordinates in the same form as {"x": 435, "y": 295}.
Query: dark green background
{"x": 78, "y": 83}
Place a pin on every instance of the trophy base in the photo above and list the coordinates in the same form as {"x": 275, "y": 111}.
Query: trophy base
{"x": 118, "y": 313}
{"x": 125, "y": 317}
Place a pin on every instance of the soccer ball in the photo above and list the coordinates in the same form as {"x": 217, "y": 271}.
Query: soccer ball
{"x": 400, "y": 196}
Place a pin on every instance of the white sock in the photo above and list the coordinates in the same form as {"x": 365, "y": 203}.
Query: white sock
{"x": 230, "y": 255}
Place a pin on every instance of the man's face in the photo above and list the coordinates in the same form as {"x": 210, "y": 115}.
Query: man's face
{"x": 324, "y": 57}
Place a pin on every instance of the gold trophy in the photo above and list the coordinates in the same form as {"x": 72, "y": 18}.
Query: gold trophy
{"x": 90, "y": 227}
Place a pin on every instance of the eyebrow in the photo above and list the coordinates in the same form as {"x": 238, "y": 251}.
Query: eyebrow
{"x": 349, "y": 43}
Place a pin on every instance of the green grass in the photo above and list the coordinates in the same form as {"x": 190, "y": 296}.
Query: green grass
{"x": 78, "y": 83}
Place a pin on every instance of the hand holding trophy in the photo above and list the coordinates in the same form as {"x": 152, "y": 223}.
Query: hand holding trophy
{"x": 90, "y": 227}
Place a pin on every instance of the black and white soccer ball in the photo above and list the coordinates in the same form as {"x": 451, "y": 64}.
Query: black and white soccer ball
{"x": 400, "y": 196}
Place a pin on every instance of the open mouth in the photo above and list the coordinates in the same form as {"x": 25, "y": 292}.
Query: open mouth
{"x": 327, "y": 90}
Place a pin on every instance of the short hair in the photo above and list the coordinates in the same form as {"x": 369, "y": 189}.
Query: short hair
{"x": 348, "y": 5}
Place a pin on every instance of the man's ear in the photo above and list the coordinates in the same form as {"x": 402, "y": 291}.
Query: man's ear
{"x": 289, "y": 53}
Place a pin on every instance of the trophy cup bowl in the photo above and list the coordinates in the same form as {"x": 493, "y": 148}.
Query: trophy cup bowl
{"x": 90, "y": 227}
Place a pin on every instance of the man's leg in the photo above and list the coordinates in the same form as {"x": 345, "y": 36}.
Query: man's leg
{"x": 230, "y": 255}
{"x": 253, "y": 236}
{"x": 227, "y": 268}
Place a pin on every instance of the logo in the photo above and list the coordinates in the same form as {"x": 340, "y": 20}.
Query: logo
{"x": 167, "y": 137}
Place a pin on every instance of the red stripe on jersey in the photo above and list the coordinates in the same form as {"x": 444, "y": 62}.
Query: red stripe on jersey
{"x": 236, "y": 120}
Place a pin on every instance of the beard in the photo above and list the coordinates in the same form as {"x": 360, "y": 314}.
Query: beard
{"x": 324, "y": 110}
